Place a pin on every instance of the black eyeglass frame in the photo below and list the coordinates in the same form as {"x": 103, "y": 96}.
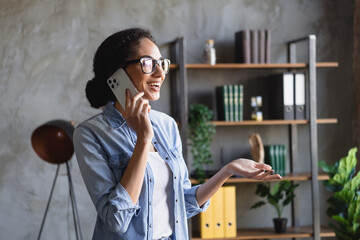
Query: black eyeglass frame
{"x": 156, "y": 61}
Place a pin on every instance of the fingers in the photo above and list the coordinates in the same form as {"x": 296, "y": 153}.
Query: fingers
{"x": 263, "y": 166}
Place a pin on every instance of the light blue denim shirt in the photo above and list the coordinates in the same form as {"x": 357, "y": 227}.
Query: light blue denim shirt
{"x": 103, "y": 147}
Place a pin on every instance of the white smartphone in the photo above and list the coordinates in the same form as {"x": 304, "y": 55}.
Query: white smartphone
{"x": 119, "y": 82}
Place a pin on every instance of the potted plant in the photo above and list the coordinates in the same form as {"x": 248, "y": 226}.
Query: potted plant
{"x": 344, "y": 205}
{"x": 201, "y": 132}
{"x": 280, "y": 195}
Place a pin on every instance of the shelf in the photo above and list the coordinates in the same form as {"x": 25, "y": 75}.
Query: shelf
{"x": 290, "y": 177}
{"x": 174, "y": 66}
{"x": 273, "y": 122}
{"x": 268, "y": 233}
{"x": 258, "y": 66}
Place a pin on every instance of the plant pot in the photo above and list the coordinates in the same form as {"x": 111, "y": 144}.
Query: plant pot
{"x": 280, "y": 225}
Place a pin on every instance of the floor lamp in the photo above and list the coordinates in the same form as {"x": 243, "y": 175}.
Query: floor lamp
{"x": 53, "y": 143}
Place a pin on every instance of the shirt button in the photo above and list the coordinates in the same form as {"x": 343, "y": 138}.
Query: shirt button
{"x": 177, "y": 221}
{"x": 167, "y": 158}
{"x": 150, "y": 225}
{"x": 150, "y": 179}
{"x": 155, "y": 142}
{"x": 176, "y": 200}
{"x": 149, "y": 203}
{"x": 175, "y": 177}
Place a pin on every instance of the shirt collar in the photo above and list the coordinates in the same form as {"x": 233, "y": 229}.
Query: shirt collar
{"x": 114, "y": 117}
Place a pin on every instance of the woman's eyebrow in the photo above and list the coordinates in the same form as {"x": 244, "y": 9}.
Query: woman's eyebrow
{"x": 148, "y": 56}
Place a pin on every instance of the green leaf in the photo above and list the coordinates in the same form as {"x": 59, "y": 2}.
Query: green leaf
{"x": 257, "y": 205}
{"x": 340, "y": 220}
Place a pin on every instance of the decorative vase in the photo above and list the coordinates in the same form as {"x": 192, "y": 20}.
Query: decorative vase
{"x": 280, "y": 225}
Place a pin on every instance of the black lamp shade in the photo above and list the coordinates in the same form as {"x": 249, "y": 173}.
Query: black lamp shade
{"x": 52, "y": 141}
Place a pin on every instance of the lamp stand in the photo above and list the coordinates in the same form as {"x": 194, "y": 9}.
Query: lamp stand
{"x": 73, "y": 203}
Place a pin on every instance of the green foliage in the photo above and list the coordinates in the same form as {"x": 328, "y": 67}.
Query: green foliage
{"x": 201, "y": 132}
{"x": 344, "y": 205}
{"x": 279, "y": 196}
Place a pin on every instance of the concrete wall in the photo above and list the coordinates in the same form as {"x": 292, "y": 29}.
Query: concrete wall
{"x": 46, "y": 51}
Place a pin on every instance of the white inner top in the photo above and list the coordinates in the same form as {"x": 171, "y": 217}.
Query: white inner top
{"x": 162, "y": 207}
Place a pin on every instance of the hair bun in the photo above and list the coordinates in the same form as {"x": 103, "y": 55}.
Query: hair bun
{"x": 97, "y": 93}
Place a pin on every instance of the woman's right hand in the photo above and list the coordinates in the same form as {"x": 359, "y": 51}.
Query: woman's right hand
{"x": 136, "y": 114}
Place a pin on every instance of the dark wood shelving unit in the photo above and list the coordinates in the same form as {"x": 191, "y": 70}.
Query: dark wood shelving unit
{"x": 179, "y": 93}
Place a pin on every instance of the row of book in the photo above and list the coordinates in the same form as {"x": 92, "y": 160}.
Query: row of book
{"x": 287, "y": 96}
{"x": 275, "y": 156}
{"x": 253, "y": 46}
{"x": 219, "y": 220}
{"x": 230, "y": 102}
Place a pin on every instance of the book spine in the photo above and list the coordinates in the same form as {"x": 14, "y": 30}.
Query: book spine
{"x": 254, "y": 46}
{"x": 231, "y": 102}
{"x": 267, "y": 45}
{"x": 241, "y": 102}
{"x": 236, "y": 102}
{"x": 242, "y": 46}
{"x": 226, "y": 102}
{"x": 262, "y": 46}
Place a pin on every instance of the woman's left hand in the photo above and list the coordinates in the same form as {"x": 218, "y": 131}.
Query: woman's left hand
{"x": 251, "y": 169}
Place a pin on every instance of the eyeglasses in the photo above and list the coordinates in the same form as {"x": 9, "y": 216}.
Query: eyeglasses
{"x": 148, "y": 64}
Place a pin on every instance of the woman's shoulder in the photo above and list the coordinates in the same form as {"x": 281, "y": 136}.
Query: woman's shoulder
{"x": 93, "y": 123}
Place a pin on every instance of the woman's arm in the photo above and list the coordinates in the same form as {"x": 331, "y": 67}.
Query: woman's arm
{"x": 136, "y": 115}
{"x": 243, "y": 167}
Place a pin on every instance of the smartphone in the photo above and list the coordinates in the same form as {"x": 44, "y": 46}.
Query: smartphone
{"x": 119, "y": 82}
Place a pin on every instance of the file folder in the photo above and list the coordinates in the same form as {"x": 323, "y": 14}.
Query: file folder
{"x": 281, "y": 96}
{"x": 206, "y": 222}
{"x": 218, "y": 214}
{"x": 230, "y": 211}
{"x": 300, "y": 102}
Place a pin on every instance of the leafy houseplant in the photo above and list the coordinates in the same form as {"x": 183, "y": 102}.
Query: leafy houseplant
{"x": 201, "y": 132}
{"x": 280, "y": 195}
{"x": 344, "y": 205}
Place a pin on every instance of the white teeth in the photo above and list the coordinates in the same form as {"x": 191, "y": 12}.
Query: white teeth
{"x": 155, "y": 84}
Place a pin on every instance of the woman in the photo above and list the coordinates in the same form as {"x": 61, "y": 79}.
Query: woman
{"x": 130, "y": 156}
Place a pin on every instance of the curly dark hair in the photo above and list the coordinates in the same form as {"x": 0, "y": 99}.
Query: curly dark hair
{"x": 109, "y": 57}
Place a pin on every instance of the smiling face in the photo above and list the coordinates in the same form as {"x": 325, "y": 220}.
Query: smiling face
{"x": 150, "y": 84}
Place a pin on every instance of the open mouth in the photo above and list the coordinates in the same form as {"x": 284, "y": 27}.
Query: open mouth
{"x": 155, "y": 85}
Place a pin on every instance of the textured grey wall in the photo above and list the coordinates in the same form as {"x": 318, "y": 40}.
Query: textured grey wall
{"x": 46, "y": 51}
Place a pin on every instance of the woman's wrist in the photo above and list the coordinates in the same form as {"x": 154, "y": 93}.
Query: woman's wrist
{"x": 227, "y": 169}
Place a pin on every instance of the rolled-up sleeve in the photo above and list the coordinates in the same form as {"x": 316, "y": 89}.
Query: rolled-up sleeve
{"x": 191, "y": 204}
{"x": 112, "y": 202}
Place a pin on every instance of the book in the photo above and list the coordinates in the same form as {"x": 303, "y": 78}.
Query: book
{"x": 275, "y": 156}
{"x": 241, "y": 102}
{"x": 281, "y": 96}
{"x": 222, "y": 103}
{"x": 262, "y": 45}
{"x": 229, "y": 196}
{"x": 300, "y": 98}
{"x": 242, "y": 46}
{"x": 236, "y": 102}
{"x": 267, "y": 45}
{"x": 254, "y": 46}
{"x": 231, "y": 102}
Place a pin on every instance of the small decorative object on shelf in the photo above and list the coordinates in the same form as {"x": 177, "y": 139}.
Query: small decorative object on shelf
{"x": 209, "y": 55}
{"x": 257, "y": 147}
{"x": 344, "y": 205}
{"x": 256, "y": 104}
{"x": 280, "y": 195}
